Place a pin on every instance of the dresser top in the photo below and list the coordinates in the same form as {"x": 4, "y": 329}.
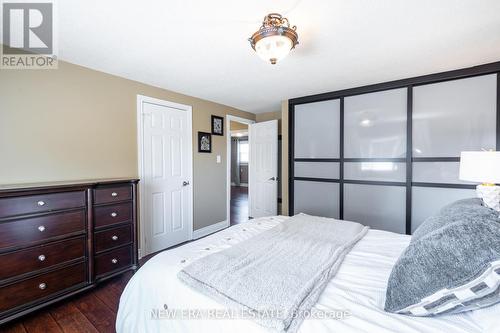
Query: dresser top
{"x": 69, "y": 183}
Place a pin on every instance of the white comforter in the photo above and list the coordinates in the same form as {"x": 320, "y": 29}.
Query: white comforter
{"x": 358, "y": 287}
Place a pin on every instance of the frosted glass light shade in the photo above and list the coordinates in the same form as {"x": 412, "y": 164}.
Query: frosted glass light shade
{"x": 273, "y": 48}
{"x": 480, "y": 166}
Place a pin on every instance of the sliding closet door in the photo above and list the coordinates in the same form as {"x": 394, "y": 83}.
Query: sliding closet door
{"x": 375, "y": 125}
{"x": 449, "y": 117}
{"x": 453, "y": 116}
{"x": 380, "y": 207}
{"x": 374, "y": 159}
{"x": 317, "y": 198}
{"x": 316, "y": 158}
{"x": 390, "y": 158}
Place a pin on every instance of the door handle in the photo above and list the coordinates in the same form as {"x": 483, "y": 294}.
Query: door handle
{"x": 272, "y": 178}
{"x": 185, "y": 183}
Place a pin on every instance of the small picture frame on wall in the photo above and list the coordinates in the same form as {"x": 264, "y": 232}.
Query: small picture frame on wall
{"x": 217, "y": 125}
{"x": 204, "y": 142}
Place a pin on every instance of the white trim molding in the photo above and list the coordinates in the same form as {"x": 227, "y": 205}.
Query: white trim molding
{"x": 143, "y": 247}
{"x": 230, "y": 118}
{"x": 198, "y": 233}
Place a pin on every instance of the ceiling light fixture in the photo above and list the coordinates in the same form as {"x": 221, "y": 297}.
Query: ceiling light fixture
{"x": 274, "y": 39}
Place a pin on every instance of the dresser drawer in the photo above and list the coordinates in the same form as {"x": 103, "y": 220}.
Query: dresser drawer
{"x": 41, "y": 286}
{"x": 41, "y": 203}
{"x": 35, "y": 229}
{"x": 112, "y": 194}
{"x": 108, "y": 239}
{"x": 113, "y": 214}
{"x": 113, "y": 260}
{"x": 40, "y": 257}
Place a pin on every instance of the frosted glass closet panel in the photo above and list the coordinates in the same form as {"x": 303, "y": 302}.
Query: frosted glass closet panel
{"x": 380, "y": 207}
{"x": 317, "y": 130}
{"x": 437, "y": 172}
{"x": 315, "y": 198}
{"x": 379, "y": 171}
{"x": 453, "y": 116}
{"x": 375, "y": 124}
{"x": 317, "y": 169}
{"x": 427, "y": 201}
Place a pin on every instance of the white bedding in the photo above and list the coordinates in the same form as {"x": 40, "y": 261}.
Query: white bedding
{"x": 358, "y": 287}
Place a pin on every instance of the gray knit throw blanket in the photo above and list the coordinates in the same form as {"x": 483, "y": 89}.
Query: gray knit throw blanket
{"x": 277, "y": 276}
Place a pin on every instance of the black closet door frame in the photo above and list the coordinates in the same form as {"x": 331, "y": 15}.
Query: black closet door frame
{"x": 409, "y": 84}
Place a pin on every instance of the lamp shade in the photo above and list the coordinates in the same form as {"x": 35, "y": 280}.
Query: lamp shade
{"x": 480, "y": 166}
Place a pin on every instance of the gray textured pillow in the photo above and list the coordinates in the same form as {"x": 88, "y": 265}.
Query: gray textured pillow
{"x": 451, "y": 265}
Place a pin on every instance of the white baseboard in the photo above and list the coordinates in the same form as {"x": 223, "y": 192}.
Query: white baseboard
{"x": 210, "y": 229}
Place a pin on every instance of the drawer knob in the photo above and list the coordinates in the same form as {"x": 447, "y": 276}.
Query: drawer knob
{"x": 42, "y": 286}
{"x": 114, "y": 261}
{"x": 114, "y": 194}
{"x": 41, "y": 228}
{"x": 114, "y": 214}
{"x": 41, "y": 257}
{"x": 114, "y": 237}
{"x": 41, "y": 203}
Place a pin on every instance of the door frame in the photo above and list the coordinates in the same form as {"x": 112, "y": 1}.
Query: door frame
{"x": 246, "y": 121}
{"x": 141, "y": 99}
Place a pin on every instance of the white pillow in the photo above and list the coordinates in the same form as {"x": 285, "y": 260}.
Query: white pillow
{"x": 487, "y": 318}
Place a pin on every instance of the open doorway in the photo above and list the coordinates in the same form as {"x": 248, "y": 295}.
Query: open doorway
{"x": 238, "y": 160}
{"x": 239, "y": 172}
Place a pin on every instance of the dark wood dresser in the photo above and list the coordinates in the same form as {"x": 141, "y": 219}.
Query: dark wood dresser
{"x": 59, "y": 239}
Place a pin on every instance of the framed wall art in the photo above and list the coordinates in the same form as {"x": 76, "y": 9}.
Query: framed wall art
{"x": 204, "y": 142}
{"x": 217, "y": 125}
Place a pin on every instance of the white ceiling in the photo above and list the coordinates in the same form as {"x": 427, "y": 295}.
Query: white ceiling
{"x": 200, "y": 47}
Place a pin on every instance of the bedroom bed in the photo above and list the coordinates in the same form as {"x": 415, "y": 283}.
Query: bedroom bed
{"x": 356, "y": 293}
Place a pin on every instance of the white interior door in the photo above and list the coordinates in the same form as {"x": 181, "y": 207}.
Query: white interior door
{"x": 263, "y": 169}
{"x": 167, "y": 169}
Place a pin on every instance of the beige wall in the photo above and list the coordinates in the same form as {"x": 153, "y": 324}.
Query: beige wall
{"x": 284, "y": 157}
{"x": 76, "y": 123}
{"x": 236, "y": 126}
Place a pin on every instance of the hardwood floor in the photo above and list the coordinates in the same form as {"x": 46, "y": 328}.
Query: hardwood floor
{"x": 91, "y": 311}
{"x": 239, "y": 204}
